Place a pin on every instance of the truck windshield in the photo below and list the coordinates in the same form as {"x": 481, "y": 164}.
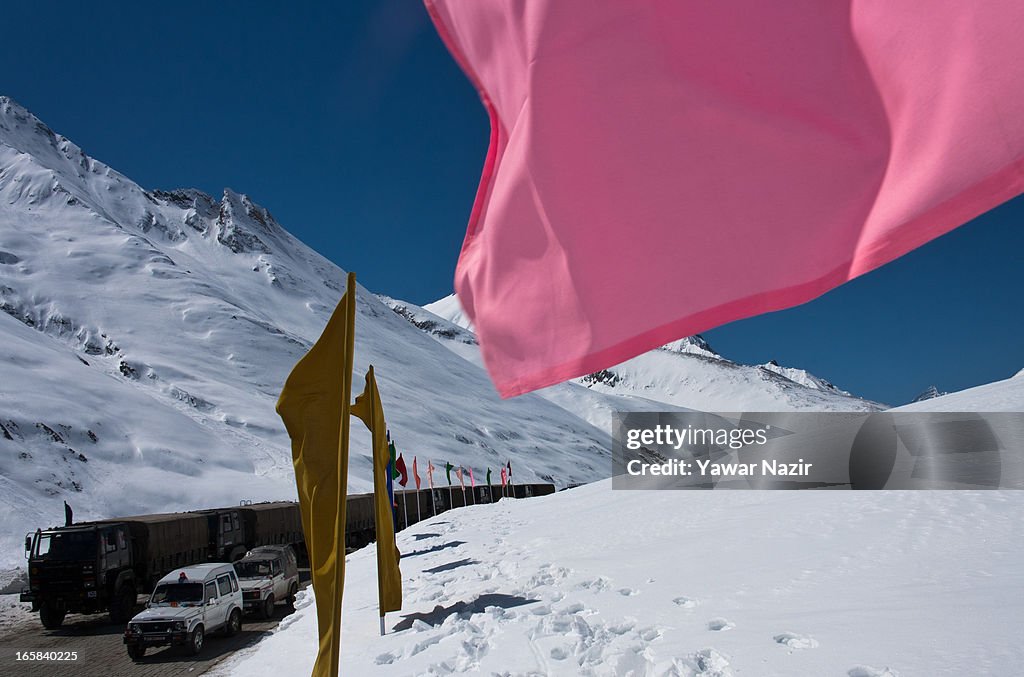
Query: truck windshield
{"x": 178, "y": 593}
{"x": 68, "y": 545}
{"x": 255, "y": 568}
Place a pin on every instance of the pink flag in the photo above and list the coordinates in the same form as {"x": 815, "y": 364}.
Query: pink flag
{"x": 430, "y": 474}
{"x": 472, "y": 482}
{"x": 660, "y": 168}
{"x": 415, "y": 473}
{"x": 458, "y": 473}
{"x": 504, "y": 477}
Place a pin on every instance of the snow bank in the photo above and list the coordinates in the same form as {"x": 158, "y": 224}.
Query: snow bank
{"x": 601, "y": 582}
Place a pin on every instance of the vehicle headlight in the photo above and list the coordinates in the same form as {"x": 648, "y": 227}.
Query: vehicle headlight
{"x": 134, "y": 628}
{"x": 179, "y": 625}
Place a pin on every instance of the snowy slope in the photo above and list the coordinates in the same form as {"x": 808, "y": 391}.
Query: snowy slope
{"x": 166, "y": 322}
{"x": 695, "y": 584}
{"x": 715, "y": 584}
{"x": 688, "y": 373}
{"x": 1007, "y": 395}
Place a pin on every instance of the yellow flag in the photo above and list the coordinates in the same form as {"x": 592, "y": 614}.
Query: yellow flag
{"x": 389, "y": 578}
{"x": 314, "y": 405}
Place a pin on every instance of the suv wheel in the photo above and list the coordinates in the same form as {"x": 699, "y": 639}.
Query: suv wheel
{"x": 234, "y": 623}
{"x": 195, "y": 641}
{"x": 292, "y": 591}
{"x": 136, "y": 651}
{"x": 268, "y": 606}
{"x": 51, "y": 614}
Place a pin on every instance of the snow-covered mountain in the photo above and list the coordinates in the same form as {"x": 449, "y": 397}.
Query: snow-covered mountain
{"x": 145, "y": 336}
{"x": 929, "y": 393}
{"x": 685, "y": 373}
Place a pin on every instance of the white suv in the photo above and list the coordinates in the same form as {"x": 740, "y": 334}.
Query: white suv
{"x": 186, "y": 604}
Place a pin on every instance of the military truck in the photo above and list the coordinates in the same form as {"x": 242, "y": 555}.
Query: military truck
{"x": 278, "y": 523}
{"x": 99, "y": 566}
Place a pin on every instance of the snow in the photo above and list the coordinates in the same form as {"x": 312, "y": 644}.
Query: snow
{"x": 695, "y": 583}
{"x": 689, "y": 583}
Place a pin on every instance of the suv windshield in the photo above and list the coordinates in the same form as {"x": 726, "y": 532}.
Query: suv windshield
{"x": 178, "y": 593}
{"x": 67, "y": 545}
{"x": 254, "y": 568}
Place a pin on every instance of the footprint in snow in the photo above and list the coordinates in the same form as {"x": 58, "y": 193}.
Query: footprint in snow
{"x": 622, "y": 628}
{"x": 868, "y": 671}
{"x": 559, "y": 653}
{"x": 795, "y": 641}
{"x": 686, "y": 602}
{"x": 628, "y": 592}
{"x": 719, "y": 624}
{"x": 650, "y": 634}
{"x": 385, "y": 659}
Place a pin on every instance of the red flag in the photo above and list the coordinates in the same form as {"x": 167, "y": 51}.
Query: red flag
{"x": 657, "y": 169}
{"x": 472, "y": 482}
{"x": 400, "y": 467}
{"x": 415, "y": 473}
{"x": 504, "y": 476}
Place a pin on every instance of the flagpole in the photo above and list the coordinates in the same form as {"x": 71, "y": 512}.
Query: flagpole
{"x": 419, "y": 516}
{"x": 405, "y": 506}
{"x": 339, "y": 522}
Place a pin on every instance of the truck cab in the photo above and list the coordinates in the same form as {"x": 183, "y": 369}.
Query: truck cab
{"x": 269, "y": 575}
{"x": 83, "y": 568}
{"x": 186, "y": 605}
{"x": 227, "y": 534}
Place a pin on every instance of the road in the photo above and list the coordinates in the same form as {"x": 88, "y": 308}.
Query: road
{"x": 101, "y": 652}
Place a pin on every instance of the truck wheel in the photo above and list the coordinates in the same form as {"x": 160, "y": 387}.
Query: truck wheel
{"x": 268, "y": 606}
{"x": 195, "y": 641}
{"x": 234, "y": 623}
{"x": 136, "y": 652}
{"x": 51, "y": 614}
{"x": 123, "y": 605}
{"x": 292, "y": 591}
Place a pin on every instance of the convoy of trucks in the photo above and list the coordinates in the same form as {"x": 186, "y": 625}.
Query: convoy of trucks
{"x": 99, "y": 566}
{"x": 92, "y": 567}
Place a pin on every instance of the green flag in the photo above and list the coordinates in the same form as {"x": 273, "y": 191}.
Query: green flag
{"x": 394, "y": 470}
{"x": 448, "y": 471}
{"x": 488, "y": 477}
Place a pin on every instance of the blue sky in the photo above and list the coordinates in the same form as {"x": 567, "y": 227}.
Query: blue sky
{"x": 352, "y": 124}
